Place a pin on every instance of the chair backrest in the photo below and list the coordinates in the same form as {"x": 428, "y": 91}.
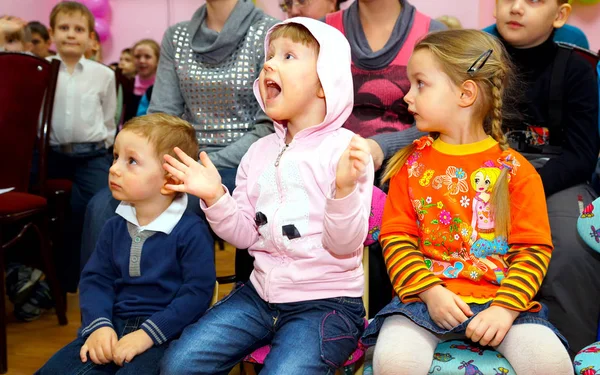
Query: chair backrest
{"x": 26, "y": 81}
{"x": 215, "y": 296}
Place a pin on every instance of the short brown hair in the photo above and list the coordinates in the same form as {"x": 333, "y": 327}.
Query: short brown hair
{"x": 297, "y": 33}
{"x": 38, "y": 28}
{"x": 165, "y": 132}
{"x": 70, "y": 7}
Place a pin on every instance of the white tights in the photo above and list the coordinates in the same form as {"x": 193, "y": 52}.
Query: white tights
{"x": 403, "y": 347}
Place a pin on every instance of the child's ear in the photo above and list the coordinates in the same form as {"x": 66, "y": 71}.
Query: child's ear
{"x": 468, "y": 93}
{"x": 169, "y": 180}
{"x": 562, "y": 15}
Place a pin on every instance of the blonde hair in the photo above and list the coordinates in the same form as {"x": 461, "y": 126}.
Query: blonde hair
{"x": 69, "y": 7}
{"x": 456, "y": 51}
{"x": 297, "y": 33}
{"x": 150, "y": 43}
{"x": 451, "y": 22}
{"x": 165, "y": 132}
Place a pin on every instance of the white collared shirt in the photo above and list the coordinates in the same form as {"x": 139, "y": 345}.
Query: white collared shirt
{"x": 84, "y": 104}
{"x": 165, "y": 222}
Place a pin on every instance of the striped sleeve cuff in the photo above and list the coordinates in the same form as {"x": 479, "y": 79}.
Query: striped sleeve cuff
{"x": 406, "y": 267}
{"x": 527, "y": 269}
{"x": 154, "y": 332}
{"x": 94, "y": 325}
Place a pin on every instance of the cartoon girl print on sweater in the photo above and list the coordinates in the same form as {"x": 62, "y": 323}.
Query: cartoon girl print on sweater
{"x": 484, "y": 243}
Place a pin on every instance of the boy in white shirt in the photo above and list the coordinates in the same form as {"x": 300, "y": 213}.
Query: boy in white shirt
{"x": 83, "y": 126}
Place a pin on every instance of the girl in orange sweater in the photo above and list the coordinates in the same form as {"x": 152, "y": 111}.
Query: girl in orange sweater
{"x": 465, "y": 231}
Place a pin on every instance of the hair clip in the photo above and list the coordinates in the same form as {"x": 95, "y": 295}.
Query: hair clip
{"x": 480, "y": 62}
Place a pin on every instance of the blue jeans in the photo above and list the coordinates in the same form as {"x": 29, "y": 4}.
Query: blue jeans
{"x": 309, "y": 337}
{"x": 66, "y": 361}
{"x": 102, "y": 207}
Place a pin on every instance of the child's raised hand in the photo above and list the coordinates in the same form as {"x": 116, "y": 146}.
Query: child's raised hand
{"x": 99, "y": 345}
{"x": 131, "y": 345}
{"x": 10, "y": 24}
{"x": 491, "y": 325}
{"x": 446, "y": 309}
{"x": 351, "y": 166}
{"x": 201, "y": 179}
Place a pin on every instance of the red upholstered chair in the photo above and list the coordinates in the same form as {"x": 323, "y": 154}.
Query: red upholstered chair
{"x": 26, "y": 81}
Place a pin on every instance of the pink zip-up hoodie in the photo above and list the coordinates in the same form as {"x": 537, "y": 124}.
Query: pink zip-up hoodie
{"x": 306, "y": 244}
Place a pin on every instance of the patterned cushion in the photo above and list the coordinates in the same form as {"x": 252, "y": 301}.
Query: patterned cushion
{"x": 587, "y": 361}
{"x": 588, "y": 224}
{"x": 457, "y": 357}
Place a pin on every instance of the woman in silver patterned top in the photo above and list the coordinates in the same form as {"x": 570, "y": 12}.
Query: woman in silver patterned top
{"x": 205, "y": 75}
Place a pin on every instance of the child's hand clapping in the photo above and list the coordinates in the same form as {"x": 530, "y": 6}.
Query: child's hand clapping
{"x": 201, "y": 179}
{"x": 352, "y": 165}
{"x": 99, "y": 345}
{"x": 491, "y": 325}
{"x": 446, "y": 309}
{"x": 131, "y": 345}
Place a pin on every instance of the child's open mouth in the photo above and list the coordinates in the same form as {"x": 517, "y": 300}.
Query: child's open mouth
{"x": 273, "y": 89}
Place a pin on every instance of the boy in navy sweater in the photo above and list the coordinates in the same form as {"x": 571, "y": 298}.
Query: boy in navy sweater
{"x": 152, "y": 272}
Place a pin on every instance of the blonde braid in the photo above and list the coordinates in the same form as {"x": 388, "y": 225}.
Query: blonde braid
{"x": 497, "y": 92}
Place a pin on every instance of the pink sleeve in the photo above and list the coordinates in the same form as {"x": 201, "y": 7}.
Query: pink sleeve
{"x": 232, "y": 217}
{"x": 346, "y": 220}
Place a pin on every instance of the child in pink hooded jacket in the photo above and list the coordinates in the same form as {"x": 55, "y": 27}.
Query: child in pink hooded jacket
{"x": 301, "y": 205}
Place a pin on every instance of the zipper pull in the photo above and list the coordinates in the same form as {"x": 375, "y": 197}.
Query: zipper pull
{"x": 281, "y": 153}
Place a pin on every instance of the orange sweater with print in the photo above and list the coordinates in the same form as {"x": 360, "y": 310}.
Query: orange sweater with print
{"x": 438, "y": 226}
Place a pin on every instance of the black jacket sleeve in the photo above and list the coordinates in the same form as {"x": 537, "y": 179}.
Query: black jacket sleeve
{"x": 580, "y": 123}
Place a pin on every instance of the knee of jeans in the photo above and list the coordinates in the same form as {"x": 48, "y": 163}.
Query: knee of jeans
{"x": 173, "y": 361}
{"x": 339, "y": 338}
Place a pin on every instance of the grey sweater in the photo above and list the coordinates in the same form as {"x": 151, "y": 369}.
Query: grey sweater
{"x": 206, "y": 77}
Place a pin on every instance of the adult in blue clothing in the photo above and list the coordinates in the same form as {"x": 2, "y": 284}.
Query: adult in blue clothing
{"x": 153, "y": 272}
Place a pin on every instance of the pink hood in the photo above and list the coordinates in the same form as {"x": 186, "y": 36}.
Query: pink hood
{"x": 306, "y": 244}
{"x": 336, "y": 78}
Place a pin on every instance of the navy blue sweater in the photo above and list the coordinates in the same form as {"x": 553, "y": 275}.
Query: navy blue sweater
{"x": 175, "y": 283}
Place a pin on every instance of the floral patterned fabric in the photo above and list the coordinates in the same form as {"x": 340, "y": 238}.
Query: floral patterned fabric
{"x": 587, "y": 361}
{"x": 442, "y": 200}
